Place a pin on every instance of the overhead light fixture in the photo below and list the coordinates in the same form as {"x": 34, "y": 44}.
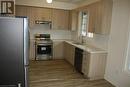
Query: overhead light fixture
{"x": 49, "y": 1}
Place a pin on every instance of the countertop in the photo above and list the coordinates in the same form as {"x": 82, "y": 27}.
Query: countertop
{"x": 88, "y": 48}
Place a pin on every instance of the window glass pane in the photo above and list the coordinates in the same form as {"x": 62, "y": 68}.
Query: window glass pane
{"x": 128, "y": 57}
{"x": 84, "y": 24}
{"x": 129, "y": 67}
{"x": 128, "y": 63}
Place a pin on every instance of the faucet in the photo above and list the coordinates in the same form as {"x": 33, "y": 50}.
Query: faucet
{"x": 82, "y": 39}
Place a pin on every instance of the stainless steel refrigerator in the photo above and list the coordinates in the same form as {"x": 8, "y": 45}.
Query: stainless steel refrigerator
{"x": 14, "y": 41}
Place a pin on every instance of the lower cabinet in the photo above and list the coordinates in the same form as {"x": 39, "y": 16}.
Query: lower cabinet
{"x": 93, "y": 66}
{"x": 69, "y": 52}
{"x": 58, "y": 49}
{"x": 32, "y": 50}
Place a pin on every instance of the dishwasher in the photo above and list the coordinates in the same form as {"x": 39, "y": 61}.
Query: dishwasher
{"x": 78, "y": 59}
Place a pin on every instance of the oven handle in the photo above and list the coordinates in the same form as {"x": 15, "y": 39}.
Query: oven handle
{"x": 43, "y": 44}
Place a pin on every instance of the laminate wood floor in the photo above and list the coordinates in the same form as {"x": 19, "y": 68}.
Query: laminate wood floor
{"x": 59, "y": 73}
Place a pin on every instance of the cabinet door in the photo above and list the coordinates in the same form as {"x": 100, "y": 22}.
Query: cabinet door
{"x": 74, "y": 20}
{"x": 20, "y": 11}
{"x": 32, "y": 50}
{"x": 69, "y": 52}
{"x": 42, "y": 13}
{"x": 47, "y": 14}
{"x": 92, "y": 17}
{"x": 30, "y": 14}
{"x": 72, "y": 54}
{"x": 25, "y": 11}
{"x": 85, "y": 64}
{"x": 100, "y": 14}
{"x": 60, "y": 19}
{"x": 97, "y": 66}
{"x": 58, "y": 49}
{"x": 103, "y": 16}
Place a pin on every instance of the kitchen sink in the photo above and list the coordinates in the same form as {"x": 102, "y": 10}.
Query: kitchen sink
{"x": 77, "y": 43}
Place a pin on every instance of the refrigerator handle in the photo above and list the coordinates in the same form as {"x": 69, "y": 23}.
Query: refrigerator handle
{"x": 26, "y": 77}
{"x": 19, "y": 84}
{"x": 26, "y": 42}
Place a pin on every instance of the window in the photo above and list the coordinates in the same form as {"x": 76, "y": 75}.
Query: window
{"x": 127, "y": 67}
{"x": 83, "y": 23}
{"x": 128, "y": 60}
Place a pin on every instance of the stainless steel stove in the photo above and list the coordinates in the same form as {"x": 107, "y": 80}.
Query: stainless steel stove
{"x": 43, "y": 47}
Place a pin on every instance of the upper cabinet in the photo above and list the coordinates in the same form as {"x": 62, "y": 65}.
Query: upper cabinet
{"x": 20, "y": 10}
{"x": 73, "y": 20}
{"x": 42, "y": 13}
{"x": 92, "y": 12}
{"x": 34, "y": 13}
{"x": 60, "y": 19}
{"x": 99, "y": 16}
{"x": 104, "y": 16}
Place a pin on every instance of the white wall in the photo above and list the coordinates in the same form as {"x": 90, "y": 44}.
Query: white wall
{"x": 100, "y": 41}
{"x": 43, "y": 3}
{"x": 118, "y": 43}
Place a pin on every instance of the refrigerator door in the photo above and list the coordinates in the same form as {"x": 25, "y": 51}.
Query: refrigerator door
{"x": 12, "y": 72}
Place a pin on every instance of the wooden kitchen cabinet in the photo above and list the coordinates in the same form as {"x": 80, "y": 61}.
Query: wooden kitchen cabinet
{"x": 21, "y": 10}
{"x": 25, "y": 11}
{"x": 91, "y": 10}
{"x": 104, "y": 16}
{"x": 74, "y": 20}
{"x": 58, "y": 49}
{"x": 34, "y": 13}
{"x": 69, "y": 52}
{"x": 60, "y": 19}
{"x": 100, "y": 14}
{"x": 32, "y": 49}
{"x": 100, "y": 17}
{"x": 42, "y": 13}
{"x": 93, "y": 65}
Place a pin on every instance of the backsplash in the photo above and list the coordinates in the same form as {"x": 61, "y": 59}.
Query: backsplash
{"x": 55, "y": 34}
{"x": 100, "y": 41}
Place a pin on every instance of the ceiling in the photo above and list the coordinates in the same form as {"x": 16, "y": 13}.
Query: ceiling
{"x": 71, "y": 1}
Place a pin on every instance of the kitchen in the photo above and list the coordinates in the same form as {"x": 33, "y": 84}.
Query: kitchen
{"x": 88, "y": 29}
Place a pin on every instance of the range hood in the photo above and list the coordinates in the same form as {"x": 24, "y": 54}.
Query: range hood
{"x": 49, "y": 23}
{"x": 43, "y": 22}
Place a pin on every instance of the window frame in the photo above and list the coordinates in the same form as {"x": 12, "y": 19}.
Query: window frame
{"x": 127, "y": 62}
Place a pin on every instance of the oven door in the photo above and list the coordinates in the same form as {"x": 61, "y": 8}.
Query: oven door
{"x": 44, "y": 49}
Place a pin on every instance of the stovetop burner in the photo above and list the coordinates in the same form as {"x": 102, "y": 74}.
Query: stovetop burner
{"x": 43, "y": 38}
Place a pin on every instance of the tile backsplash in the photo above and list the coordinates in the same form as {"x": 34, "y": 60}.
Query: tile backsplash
{"x": 44, "y": 29}
{"x": 100, "y": 41}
